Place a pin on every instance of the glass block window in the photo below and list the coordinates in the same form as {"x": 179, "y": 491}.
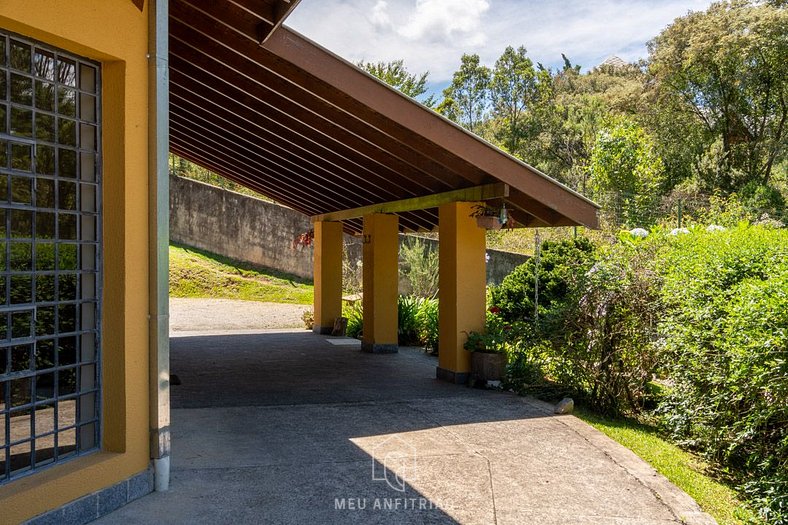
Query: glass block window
{"x": 50, "y": 220}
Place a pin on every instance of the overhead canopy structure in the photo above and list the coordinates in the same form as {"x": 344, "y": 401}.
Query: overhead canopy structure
{"x": 275, "y": 112}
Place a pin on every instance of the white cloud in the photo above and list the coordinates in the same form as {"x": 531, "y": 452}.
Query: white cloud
{"x": 380, "y": 16}
{"x": 432, "y": 35}
{"x": 446, "y": 21}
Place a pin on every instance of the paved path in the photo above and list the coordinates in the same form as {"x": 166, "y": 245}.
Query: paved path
{"x": 187, "y": 315}
{"x": 286, "y": 428}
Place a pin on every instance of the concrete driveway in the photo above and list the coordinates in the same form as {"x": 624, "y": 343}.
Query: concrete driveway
{"x": 286, "y": 427}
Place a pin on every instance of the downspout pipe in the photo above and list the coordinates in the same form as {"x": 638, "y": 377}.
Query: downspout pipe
{"x": 159, "y": 236}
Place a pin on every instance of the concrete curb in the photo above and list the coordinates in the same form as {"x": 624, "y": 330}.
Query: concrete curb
{"x": 676, "y": 500}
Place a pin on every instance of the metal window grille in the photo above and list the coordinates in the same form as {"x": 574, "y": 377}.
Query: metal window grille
{"x": 50, "y": 256}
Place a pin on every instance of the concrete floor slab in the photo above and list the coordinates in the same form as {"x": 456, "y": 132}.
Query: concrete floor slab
{"x": 287, "y": 428}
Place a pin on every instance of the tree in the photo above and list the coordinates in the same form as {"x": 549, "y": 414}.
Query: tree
{"x": 466, "y": 100}
{"x": 513, "y": 90}
{"x": 563, "y": 122}
{"x": 626, "y": 173}
{"x": 725, "y": 67}
{"x": 396, "y": 75}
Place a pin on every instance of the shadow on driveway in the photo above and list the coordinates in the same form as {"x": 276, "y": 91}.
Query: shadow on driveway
{"x": 283, "y": 427}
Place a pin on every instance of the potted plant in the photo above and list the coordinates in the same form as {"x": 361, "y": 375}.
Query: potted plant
{"x": 488, "y": 350}
{"x": 491, "y": 218}
{"x": 486, "y": 217}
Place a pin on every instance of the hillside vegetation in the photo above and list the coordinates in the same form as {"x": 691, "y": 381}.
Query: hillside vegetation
{"x": 195, "y": 273}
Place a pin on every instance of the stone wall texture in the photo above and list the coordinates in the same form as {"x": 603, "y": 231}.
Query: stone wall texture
{"x": 262, "y": 233}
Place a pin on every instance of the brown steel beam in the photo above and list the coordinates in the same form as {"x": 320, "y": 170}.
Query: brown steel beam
{"x": 477, "y": 193}
{"x": 332, "y": 76}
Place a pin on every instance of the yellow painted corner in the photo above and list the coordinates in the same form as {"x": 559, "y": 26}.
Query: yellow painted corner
{"x": 92, "y": 29}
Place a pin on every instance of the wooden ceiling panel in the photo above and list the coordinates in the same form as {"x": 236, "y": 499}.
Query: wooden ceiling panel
{"x": 271, "y": 110}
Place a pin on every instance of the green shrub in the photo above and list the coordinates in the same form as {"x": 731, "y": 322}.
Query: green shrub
{"x": 758, "y": 199}
{"x": 559, "y": 263}
{"x": 355, "y": 319}
{"x": 603, "y": 339}
{"x": 420, "y": 267}
{"x": 417, "y": 320}
{"x": 408, "y": 308}
{"x": 428, "y": 324}
{"x": 726, "y": 335}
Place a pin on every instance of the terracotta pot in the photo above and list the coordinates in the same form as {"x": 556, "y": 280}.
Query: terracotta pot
{"x": 487, "y": 366}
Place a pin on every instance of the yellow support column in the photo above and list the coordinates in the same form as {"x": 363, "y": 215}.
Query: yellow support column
{"x": 381, "y": 283}
{"x": 328, "y": 275}
{"x": 462, "y": 287}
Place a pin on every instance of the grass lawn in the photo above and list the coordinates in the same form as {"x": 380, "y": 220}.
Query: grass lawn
{"x": 682, "y": 468}
{"x": 195, "y": 273}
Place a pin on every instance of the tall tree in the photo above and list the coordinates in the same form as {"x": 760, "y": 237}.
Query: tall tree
{"x": 626, "y": 173}
{"x": 396, "y": 75}
{"x": 513, "y": 90}
{"x": 726, "y": 67}
{"x": 466, "y": 100}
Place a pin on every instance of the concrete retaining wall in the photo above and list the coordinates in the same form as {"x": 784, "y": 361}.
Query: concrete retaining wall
{"x": 262, "y": 233}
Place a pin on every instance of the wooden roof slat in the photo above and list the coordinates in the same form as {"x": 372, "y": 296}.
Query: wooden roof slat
{"x": 270, "y": 132}
{"x": 185, "y": 149}
{"x": 308, "y": 57}
{"x": 252, "y": 74}
{"x": 244, "y": 140}
{"x": 251, "y": 121}
{"x": 278, "y": 175}
{"x": 298, "y": 119}
{"x": 292, "y": 193}
{"x": 293, "y": 121}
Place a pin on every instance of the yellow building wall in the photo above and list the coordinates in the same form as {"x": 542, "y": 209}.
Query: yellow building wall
{"x": 328, "y": 275}
{"x": 115, "y": 33}
{"x": 462, "y": 284}
{"x": 380, "y": 282}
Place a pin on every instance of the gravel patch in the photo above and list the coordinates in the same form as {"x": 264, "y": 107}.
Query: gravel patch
{"x": 198, "y": 315}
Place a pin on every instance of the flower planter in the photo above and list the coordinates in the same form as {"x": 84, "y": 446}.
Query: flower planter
{"x": 487, "y": 366}
{"x": 488, "y": 222}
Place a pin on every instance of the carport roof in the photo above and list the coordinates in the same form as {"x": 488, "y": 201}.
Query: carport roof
{"x": 271, "y": 110}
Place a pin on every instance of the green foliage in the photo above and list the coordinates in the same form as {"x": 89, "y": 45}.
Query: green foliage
{"x": 513, "y": 90}
{"x": 726, "y": 335}
{"x": 559, "y": 262}
{"x": 696, "y": 323}
{"x": 496, "y": 336}
{"x": 709, "y": 108}
{"x": 420, "y": 267}
{"x": 726, "y": 68}
{"x": 417, "y": 321}
{"x": 626, "y": 174}
{"x": 407, "y": 320}
{"x": 603, "y": 338}
{"x": 352, "y": 271}
{"x": 196, "y": 273}
{"x": 427, "y": 318}
{"x": 396, "y": 75}
{"x": 355, "y": 319}
{"x": 466, "y": 100}
{"x": 759, "y": 199}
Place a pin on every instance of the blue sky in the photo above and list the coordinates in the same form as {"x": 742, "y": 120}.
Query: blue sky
{"x": 431, "y": 35}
